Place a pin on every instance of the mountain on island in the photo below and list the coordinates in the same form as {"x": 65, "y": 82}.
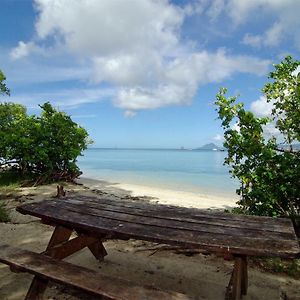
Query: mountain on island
{"x": 210, "y": 146}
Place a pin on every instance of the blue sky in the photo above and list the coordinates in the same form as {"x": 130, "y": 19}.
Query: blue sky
{"x": 144, "y": 73}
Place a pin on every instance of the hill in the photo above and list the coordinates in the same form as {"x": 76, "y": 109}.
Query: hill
{"x": 210, "y": 146}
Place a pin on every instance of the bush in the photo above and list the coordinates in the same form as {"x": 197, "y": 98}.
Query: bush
{"x": 4, "y": 216}
{"x": 268, "y": 168}
{"x": 46, "y": 147}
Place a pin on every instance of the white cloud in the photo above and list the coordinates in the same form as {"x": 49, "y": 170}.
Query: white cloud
{"x": 104, "y": 27}
{"x": 135, "y": 48}
{"x": 216, "y": 8}
{"x": 272, "y": 37}
{"x": 271, "y": 131}
{"x": 285, "y": 13}
{"x": 296, "y": 72}
{"x": 180, "y": 79}
{"x": 129, "y": 113}
{"x": 22, "y": 50}
{"x": 236, "y": 126}
{"x": 218, "y": 138}
{"x": 252, "y": 40}
{"x": 68, "y": 98}
{"x": 261, "y": 107}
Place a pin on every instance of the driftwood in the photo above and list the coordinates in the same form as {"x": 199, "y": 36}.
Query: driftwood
{"x": 60, "y": 192}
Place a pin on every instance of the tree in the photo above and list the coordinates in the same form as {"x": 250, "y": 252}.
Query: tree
{"x": 60, "y": 142}
{"x": 13, "y": 133}
{"x": 46, "y": 146}
{"x": 3, "y": 87}
{"x": 268, "y": 168}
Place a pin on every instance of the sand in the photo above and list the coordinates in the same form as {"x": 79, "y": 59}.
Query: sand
{"x": 166, "y": 196}
{"x": 199, "y": 276}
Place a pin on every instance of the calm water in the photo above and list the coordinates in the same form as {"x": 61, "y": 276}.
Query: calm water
{"x": 193, "y": 171}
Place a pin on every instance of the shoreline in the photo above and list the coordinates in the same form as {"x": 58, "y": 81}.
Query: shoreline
{"x": 160, "y": 195}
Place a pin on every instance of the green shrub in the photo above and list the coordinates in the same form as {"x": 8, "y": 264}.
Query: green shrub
{"x": 278, "y": 265}
{"x": 266, "y": 164}
{"x": 46, "y": 147}
{"x": 4, "y": 216}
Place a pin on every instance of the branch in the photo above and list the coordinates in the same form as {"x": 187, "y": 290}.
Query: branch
{"x": 287, "y": 151}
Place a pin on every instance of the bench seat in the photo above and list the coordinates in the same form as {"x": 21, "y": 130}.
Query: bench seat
{"x": 79, "y": 277}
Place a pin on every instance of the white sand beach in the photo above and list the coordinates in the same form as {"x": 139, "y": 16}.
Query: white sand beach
{"x": 199, "y": 276}
{"x": 161, "y": 195}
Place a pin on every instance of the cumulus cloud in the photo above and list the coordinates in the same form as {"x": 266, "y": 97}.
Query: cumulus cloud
{"x": 22, "y": 50}
{"x": 104, "y": 27}
{"x": 261, "y": 107}
{"x": 285, "y": 13}
{"x": 136, "y": 48}
{"x": 218, "y": 138}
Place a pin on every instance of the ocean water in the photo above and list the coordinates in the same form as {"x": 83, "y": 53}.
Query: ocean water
{"x": 191, "y": 171}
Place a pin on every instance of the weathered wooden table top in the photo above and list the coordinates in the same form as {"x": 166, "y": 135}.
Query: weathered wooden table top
{"x": 186, "y": 227}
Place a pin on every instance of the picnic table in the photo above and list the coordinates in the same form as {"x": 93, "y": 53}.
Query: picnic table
{"x": 96, "y": 220}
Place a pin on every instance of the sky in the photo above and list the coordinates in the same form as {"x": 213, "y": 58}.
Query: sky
{"x": 144, "y": 73}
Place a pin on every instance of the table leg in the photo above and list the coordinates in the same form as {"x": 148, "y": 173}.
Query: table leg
{"x": 238, "y": 283}
{"x": 244, "y": 287}
{"x": 98, "y": 250}
{"x": 39, "y": 285}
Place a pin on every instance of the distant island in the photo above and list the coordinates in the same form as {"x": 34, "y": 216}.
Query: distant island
{"x": 210, "y": 146}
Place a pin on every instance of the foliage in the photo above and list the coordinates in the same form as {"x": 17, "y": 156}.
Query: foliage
{"x": 46, "y": 146}
{"x": 3, "y": 87}
{"x": 278, "y": 265}
{"x": 268, "y": 167}
{"x": 4, "y": 216}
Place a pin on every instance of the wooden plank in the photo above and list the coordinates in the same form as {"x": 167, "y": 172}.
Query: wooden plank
{"x": 170, "y": 223}
{"x": 39, "y": 285}
{"x": 70, "y": 247}
{"x": 174, "y": 215}
{"x": 59, "y": 235}
{"x": 185, "y": 238}
{"x": 98, "y": 250}
{"x": 88, "y": 218}
{"x": 191, "y": 213}
{"x": 244, "y": 286}
{"x": 180, "y": 212}
{"x": 81, "y": 278}
{"x": 237, "y": 279}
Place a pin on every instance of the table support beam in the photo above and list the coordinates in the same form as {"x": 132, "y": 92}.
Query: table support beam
{"x": 39, "y": 285}
{"x": 70, "y": 247}
{"x": 98, "y": 250}
{"x": 60, "y": 246}
{"x": 238, "y": 283}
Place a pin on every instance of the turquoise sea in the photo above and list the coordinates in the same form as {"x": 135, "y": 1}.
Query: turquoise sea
{"x": 191, "y": 171}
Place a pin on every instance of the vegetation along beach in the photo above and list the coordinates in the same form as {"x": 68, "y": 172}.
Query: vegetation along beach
{"x": 149, "y": 150}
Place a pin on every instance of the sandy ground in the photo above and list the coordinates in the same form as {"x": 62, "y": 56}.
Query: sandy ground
{"x": 199, "y": 276}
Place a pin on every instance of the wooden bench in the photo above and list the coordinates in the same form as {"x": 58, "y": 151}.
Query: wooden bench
{"x": 47, "y": 268}
{"x": 95, "y": 220}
